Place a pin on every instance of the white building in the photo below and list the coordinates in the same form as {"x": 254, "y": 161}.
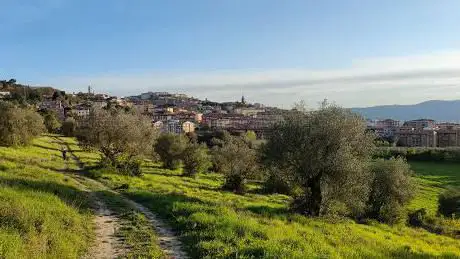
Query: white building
{"x": 82, "y": 112}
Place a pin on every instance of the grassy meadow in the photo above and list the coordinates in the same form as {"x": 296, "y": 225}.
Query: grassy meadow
{"x": 43, "y": 213}
{"x": 218, "y": 224}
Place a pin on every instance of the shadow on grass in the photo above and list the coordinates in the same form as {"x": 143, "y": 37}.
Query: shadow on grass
{"x": 268, "y": 211}
{"x": 21, "y": 163}
{"x": 68, "y": 194}
{"x": 407, "y": 252}
{"x": 160, "y": 171}
{"x": 45, "y": 147}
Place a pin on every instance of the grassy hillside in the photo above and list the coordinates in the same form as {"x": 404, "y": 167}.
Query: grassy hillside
{"x": 219, "y": 224}
{"x": 43, "y": 214}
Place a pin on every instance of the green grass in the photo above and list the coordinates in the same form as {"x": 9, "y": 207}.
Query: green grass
{"x": 218, "y": 224}
{"x": 43, "y": 214}
{"x": 136, "y": 231}
{"x": 432, "y": 179}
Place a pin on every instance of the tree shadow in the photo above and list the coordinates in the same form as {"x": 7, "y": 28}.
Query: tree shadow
{"x": 21, "y": 163}
{"x": 45, "y": 147}
{"x": 268, "y": 211}
{"x": 407, "y": 252}
{"x": 164, "y": 203}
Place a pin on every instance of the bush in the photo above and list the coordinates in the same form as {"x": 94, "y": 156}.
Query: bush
{"x": 417, "y": 218}
{"x": 170, "y": 148}
{"x": 236, "y": 160}
{"x": 391, "y": 189}
{"x": 130, "y": 167}
{"x": 449, "y": 203}
{"x": 52, "y": 122}
{"x": 18, "y": 126}
{"x": 69, "y": 127}
{"x": 195, "y": 159}
{"x": 277, "y": 182}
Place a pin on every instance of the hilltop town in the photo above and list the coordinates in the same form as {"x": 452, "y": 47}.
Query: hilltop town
{"x": 170, "y": 112}
{"x": 178, "y": 113}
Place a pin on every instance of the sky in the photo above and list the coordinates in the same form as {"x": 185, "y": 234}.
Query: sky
{"x": 352, "y": 52}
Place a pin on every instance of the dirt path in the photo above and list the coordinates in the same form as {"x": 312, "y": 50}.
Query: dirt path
{"x": 107, "y": 244}
{"x": 168, "y": 240}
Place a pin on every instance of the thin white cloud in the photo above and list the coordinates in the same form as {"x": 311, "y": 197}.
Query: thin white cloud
{"x": 365, "y": 82}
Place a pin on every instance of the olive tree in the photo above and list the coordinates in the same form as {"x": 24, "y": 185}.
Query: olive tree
{"x": 325, "y": 154}
{"x": 120, "y": 137}
{"x": 170, "y": 148}
{"x": 236, "y": 160}
{"x": 195, "y": 159}
{"x": 18, "y": 126}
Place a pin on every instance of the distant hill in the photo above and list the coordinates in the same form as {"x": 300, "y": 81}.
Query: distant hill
{"x": 435, "y": 109}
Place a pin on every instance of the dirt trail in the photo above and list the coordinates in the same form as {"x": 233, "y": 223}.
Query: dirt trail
{"x": 168, "y": 240}
{"x": 107, "y": 244}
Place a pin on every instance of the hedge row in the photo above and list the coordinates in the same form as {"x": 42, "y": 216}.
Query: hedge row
{"x": 419, "y": 154}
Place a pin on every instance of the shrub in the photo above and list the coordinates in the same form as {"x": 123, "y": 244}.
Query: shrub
{"x": 391, "y": 189}
{"x": 69, "y": 127}
{"x": 277, "y": 182}
{"x": 131, "y": 167}
{"x": 18, "y": 126}
{"x": 449, "y": 203}
{"x": 170, "y": 148}
{"x": 195, "y": 159}
{"x": 237, "y": 161}
{"x": 52, "y": 122}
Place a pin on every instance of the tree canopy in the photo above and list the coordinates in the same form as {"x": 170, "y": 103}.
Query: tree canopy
{"x": 325, "y": 153}
{"x": 118, "y": 135}
{"x": 18, "y": 126}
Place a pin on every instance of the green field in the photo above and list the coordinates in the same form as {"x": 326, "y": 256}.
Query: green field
{"x": 218, "y": 224}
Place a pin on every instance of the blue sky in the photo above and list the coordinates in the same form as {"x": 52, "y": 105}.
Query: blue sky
{"x": 356, "y": 53}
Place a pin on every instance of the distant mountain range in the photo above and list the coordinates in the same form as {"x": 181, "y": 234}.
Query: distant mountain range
{"x": 447, "y": 111}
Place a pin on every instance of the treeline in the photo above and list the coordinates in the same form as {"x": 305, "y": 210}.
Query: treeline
{"x": 419, "y": 154}
{"x": 21, "y": 94}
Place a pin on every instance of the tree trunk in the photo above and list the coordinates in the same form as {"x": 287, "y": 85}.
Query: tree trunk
{"x": 310, "y": 202}
{"x": 315, "y": 198}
